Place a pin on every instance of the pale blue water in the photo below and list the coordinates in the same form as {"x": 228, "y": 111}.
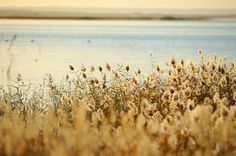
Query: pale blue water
{"x": 58, "y": 43}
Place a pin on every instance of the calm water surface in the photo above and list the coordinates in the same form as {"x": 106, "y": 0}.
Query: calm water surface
{"x": 43, "y": 46}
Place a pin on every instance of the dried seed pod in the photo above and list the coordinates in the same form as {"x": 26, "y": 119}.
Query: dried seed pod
{"x": 200, "y": 52}
{"x": 83, "y": 68}
{"x": 100, "y": 68}
{"x": 158, "y": 68}
{"x": 67, "y": 76}
{"x": 213, "y": 67}
{"x": 19, "y": 77}
{"x": 92, "y": 68}
{"x": 173, "y": 61}
{"x": 172, "y": 90}
{"x": 138, "y": 71}
{"x": 96, "y": 81}
{"x": 182, "y": 62}
{"x": 108, "y": 67}
{"x": 92, "y": 81}
{"x": 84, "y": 75}
{"x": 71, "y": 67}
{"x": 127, "y": 68}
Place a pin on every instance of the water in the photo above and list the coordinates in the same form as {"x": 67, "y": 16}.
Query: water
{"x": 44, "y": 46}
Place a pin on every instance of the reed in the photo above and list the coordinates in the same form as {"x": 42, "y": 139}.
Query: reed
{"x": 187, "y": 109}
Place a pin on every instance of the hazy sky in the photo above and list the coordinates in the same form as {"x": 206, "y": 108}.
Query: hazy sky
{"x": 170, "y": 4}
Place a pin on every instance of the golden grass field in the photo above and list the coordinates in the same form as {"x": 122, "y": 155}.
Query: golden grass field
{"x": 185, "y": 108}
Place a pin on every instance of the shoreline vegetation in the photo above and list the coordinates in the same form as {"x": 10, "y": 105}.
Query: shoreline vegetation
{"x": 114, "y": 14}
{"x": 105, "y": 18}
{"x": 189, "y": 109}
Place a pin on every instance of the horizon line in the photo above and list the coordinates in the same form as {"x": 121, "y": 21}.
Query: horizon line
{"x": 61, "y": 7}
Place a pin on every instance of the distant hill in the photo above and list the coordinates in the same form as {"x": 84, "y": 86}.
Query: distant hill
{"x": 93, "y": 13}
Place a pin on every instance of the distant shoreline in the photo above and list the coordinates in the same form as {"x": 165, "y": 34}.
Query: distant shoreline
{"x": 106, "y": 18}
{"x": 114, "y": 14}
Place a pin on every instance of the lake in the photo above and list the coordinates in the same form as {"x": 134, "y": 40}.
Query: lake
{"x": 49, "y": 46}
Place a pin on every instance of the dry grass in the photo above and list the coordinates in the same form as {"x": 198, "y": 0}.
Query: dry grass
{"x": 190, "y": 109}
